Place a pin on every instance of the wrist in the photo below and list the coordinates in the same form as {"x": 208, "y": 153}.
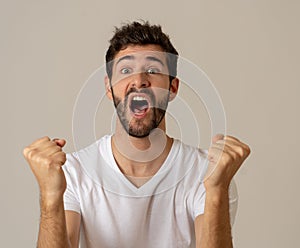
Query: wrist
{"x": 50, "y": 202}
{"x": 217, "y": 196}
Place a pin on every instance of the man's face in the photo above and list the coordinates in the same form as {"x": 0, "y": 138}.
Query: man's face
{"x": 140, "y": 88}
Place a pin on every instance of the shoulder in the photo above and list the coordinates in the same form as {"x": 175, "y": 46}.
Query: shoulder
{"x": 77, "y": 159}
{"x": 188, "y": 153}
{"x": 189, "y": 162}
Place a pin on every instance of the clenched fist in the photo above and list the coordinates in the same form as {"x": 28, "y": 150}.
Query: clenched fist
{"x": 46, "y": 158}
{"x": 225, "y": 155}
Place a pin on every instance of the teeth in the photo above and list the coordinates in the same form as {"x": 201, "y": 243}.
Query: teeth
{"x": 139, "y": 98}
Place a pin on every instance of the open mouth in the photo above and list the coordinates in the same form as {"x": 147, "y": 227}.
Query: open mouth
{"x": 139, "y": 104}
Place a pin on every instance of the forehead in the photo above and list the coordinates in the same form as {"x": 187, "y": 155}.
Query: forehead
{"x": 142, "y": 52}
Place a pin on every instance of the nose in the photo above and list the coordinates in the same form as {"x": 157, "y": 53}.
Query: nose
{"x": 139, "y": 80}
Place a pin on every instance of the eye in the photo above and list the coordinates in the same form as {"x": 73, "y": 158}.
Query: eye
{"x": 152, "y": 71}
{"x": 125, "y": 70}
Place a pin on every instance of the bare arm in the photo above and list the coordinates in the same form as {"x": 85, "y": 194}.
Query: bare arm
{"x": 58, "y": 228}
{"x": 73, "y": 227}
{"x": 46, "y": 158}
{"x": 213, "y": 229}
{"x": 53, "y": 230}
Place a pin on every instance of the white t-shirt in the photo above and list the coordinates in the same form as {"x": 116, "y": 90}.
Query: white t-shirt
{"x": 117, "y": 214}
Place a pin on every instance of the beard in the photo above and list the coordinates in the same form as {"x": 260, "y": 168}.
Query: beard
{"x": 141, "y": 128}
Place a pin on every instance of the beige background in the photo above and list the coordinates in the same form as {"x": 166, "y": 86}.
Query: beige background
{"x": 249, "y": 49}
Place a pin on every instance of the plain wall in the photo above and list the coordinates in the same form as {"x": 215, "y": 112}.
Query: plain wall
{"x": 249, "y": 49}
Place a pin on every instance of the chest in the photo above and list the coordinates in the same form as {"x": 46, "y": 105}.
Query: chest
{"x": 116, "y": 220}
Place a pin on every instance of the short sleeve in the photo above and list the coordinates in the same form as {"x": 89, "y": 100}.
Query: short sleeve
{"x": 199, "y": 201}
{"x": 71, "y": 201}
{"x": 233, "y": 201}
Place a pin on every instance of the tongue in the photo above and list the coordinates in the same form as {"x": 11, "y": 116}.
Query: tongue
{"x": 140, "y": 110}
{"x": 139, "y": 107}
{"x": 143, "y": 107}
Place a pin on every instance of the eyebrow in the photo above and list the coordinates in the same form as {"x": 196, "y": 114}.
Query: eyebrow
{"x": 152, "y": 58}
{"x": 131, "y": 57}
{"x": 127, "y": 57}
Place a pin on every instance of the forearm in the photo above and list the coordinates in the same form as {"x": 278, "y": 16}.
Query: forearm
{"x": 53, "y": 231}
{"x": 216, "y": 229}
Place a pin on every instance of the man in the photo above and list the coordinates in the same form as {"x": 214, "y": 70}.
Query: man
{"x": 154, "y": 196}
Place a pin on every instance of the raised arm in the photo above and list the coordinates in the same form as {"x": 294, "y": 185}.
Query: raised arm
{"x": 46, "y": 158}
{"x": 213, "y": 229}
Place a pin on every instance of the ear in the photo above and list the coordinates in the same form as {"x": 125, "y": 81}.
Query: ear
{"x": 174, "y": 88}
{"x": 108, "y": 88}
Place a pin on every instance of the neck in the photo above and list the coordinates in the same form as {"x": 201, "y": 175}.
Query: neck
{"x": 141, "y": 157}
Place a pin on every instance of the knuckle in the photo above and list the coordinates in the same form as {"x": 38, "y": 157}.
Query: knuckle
{"x": 231, "y": 157}
{"x": 226, "y": 158}
{"x": 64, "y": 155}
{"x": 47, "y": 161}
{"x": 58, "y": 159}
{"x": 240, "y": 150}
{"x": 41, "y": 140}
{"x": 54, "y": 149}
{"x": 31, "y": 154}
{"x": 45, "y": 138}
{"x": 247, "y": 150}
{"x": 238, "y": 154}
{"x": 26, "y": 151}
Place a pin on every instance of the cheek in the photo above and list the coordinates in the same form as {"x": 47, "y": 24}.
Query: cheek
{"x": 119, "y": 90}
{"x": 160, "y": 82}
{"x": 160, "y": 93}
{"x": 121, "y": 86}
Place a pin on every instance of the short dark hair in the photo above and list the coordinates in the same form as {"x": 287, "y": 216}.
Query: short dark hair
{"x": 141, "y": 33}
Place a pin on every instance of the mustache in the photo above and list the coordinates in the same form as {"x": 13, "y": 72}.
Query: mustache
{"x": 143, "y": 90}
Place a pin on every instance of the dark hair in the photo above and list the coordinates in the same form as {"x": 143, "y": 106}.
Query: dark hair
{"x": 141, "y": 33}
